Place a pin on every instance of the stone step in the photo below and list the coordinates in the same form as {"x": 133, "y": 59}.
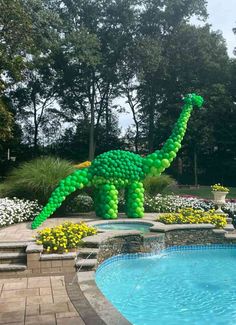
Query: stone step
{"x": 12, "y": 257}
{"x": 88, "y": 252}
{"x": 13, "y": 247}
{"x": 219, "y": 231}
{"x": 229, "y": 227}
{"x": 12, "y": 267}
{"x": 91, "y": 243}
{"x": 86, "y": 264}
{"x": 229, "y": 220}
{"x": 231, "y": 235}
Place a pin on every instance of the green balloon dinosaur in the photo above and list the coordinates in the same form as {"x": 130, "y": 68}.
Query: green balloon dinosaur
{"x": 117, "y": 169}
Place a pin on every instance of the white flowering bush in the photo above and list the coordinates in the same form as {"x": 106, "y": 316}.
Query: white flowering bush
{"x": 16, "y": 210}
{"x": 172, "y": 203}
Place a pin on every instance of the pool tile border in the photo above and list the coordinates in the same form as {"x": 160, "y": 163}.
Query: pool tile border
{"x": 163, "y": 251}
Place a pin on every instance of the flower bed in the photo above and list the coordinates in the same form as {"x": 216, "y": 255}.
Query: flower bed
{"x": 189, "y": 215}
{"x": 16, "y": 210}
{"x": 172, "y": 203}
{"x": 64, "y": 237}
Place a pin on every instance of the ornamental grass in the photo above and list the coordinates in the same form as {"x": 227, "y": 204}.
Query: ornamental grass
{"x": 65, "y": 237}
{"x": 192, "y": 216}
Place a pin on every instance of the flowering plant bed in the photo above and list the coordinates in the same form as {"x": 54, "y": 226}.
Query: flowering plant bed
{"x": 17, "y": 210}
{"x": 191, "y": 216}
{"x": 172, "y": 203}
{"x": 64, "y": 238}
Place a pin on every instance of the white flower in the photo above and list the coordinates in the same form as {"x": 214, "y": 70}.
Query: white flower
{"x": 16, "y": 210}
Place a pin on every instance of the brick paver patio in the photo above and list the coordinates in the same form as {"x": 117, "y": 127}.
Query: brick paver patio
{"x": 36, "y": 301}
{"x": 23, "y": 231}
{"x": 41, "y": 300}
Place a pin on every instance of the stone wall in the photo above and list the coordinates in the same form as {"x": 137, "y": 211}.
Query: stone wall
{"x": 156, "y": 241}
{"x": 119, "y": 245}
{"x": 195, "y": 237}
{"x": 128, "y": 244}
{"x": 38, "y": 263}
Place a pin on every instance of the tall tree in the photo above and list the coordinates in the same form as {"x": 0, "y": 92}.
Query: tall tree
{"x": 15, "y": 39}
{"x": 158, "y": 20}
{"x": 201, "y": 65}
{"x": 97, "y": 35}
{"x": 34, "y": 95}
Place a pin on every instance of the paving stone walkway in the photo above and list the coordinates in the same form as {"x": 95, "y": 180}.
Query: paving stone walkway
{"x": 23, "y": 232}
{"x": 36, "y": 301}
{"x": 42, "y": 300}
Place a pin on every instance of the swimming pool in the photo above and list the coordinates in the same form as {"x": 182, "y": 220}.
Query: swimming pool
{"x": 141, "y": 226}
{"x": 191, "y": 285}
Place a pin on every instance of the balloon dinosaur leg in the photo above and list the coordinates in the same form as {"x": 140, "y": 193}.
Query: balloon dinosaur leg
{"x": 98, "y": 203}
{"x": 134, "y": 200}
{"x": 106, "y": 202}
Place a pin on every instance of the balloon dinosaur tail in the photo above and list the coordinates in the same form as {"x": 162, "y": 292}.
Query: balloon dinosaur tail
{"x": 77, "y": 180}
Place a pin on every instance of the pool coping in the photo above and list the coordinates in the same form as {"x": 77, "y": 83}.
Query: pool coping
{"x": 97, "y": 301}
{"x": 156, "y": 225}
{"x": 120, "y": 221}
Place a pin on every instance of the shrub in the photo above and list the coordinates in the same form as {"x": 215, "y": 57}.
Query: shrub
{"x": 65, "y": 237}
{"x": 37, "y": 179}
{"x": 155, "y": 185}
{"x": 16, "y": 210}
{"x": 191, "y": 216}
{"x": 80, "y": 203}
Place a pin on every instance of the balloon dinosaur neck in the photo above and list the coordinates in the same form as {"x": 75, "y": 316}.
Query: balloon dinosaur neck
{"x": 158, "y": 161}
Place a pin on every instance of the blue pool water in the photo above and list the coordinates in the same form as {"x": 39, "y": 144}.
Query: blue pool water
{"x": 194, "y": 287}
{"x": 143, "y": 227}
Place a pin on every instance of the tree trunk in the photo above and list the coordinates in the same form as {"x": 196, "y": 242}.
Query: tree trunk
{"x": 151, "y": 128}
{"x": 132, "y": 106}
{"x": 92, "y": 119}
{"x": 195, "y": 168}
{"x": 35, "y": 140}
{"x": 107, "y": 121}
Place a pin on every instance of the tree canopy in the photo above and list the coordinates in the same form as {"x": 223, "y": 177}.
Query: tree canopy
{"x": 66, "y": 67}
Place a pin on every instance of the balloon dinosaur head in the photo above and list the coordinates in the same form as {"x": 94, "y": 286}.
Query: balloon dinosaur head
{"x": 194, "y": 100}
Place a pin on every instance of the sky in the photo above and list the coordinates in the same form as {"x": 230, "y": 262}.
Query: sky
{"x": 222, "y": 16}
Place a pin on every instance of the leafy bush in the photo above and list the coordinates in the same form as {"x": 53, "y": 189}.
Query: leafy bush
{"x": 80, "y": 203}
{"x": 37, "y": 179}
{"x": 65, "y": 237}
{"x": 16, "y": 210}
{"x": 191, "y": 216}
{"x": 155, "y": 185}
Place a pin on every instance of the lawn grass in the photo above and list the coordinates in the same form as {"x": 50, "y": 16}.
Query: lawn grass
{"x": 1, "y": 189}
{"x": 203, "y": 192}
